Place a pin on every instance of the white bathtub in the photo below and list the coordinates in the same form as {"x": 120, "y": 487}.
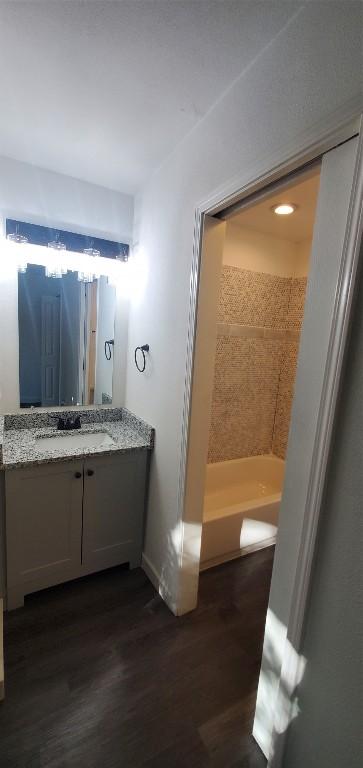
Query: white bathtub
{"x": 241, "y": 506}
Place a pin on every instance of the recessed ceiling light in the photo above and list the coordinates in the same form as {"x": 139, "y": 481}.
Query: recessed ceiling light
{"x": 284, "y": 209}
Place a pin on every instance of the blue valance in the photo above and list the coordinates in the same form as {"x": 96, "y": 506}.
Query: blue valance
{"x": 39, "y": 235}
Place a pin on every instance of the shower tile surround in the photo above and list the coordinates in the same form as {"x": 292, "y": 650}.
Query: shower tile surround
{"x": 19, "y": 430}
{"x": 259, "y": 322}
{"x": 253, "y": 298}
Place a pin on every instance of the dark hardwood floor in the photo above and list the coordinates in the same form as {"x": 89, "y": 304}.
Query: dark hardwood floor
{"x": 99, "y": 673}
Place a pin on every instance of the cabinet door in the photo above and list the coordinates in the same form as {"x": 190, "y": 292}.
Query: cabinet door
{"x": 43, "y": 526}
{"x": 113, "y": 510}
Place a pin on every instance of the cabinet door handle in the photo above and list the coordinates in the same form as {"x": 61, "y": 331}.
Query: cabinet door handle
{"x": 78, "y": 475}
{"x": 90, "y": 472}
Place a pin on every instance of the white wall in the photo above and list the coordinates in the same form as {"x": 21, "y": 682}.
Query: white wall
{"x": 306, "y": 80}
{"x": 42, "y": 197}
{"x": 249, "y": 249}
{"x": 303, "y": 252}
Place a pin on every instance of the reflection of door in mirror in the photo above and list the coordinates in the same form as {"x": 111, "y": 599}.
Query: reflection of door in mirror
{"x": 50, "y": 349}
{"x": 63, "y": 326}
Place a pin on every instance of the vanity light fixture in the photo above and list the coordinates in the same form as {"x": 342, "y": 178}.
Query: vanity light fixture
{"x": 92, "y": 251}
{"x": 16, "y": 237}
{"x": 284, "y": 209}
{"x": 58, "y": 261}
{"x": 57, "y": 244}
{"x": 89, "y": 275}
{"x": 55, "y": 268}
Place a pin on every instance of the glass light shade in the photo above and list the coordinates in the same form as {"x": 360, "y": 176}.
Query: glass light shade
{"x": 284, "y": 209}
{"x": 15, "y": 237}
{"x": 57, "y": 245}
{"x": 56, "y": 269}
{"x": 18, "y": 239}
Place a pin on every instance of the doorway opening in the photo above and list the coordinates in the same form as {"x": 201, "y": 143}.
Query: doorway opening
{"x": 261, "y": 298}
{"x": 330, "y": 282}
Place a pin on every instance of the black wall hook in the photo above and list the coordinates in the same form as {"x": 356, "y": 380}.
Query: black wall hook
{"x": 145, "y": 348}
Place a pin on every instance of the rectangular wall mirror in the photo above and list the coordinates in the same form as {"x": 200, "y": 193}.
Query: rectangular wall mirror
{"x": 66, "y": 339}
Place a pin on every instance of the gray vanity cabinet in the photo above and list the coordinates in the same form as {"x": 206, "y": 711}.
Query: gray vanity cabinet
{"x": 113, "y": 502}
{"x": 68, "y": 519}
{"x": 43, "y": 527}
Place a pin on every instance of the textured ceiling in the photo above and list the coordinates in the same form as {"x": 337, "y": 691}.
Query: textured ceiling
{"x": 103, "y": 91}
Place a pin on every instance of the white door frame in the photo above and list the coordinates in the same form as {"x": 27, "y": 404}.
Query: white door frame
{"x": 338, "y": 338}
{"x": 291, "y": 670}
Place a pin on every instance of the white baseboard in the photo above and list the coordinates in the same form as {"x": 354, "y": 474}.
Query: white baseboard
{"x": 150, "y": 571}
{"x": 153, "y": 575}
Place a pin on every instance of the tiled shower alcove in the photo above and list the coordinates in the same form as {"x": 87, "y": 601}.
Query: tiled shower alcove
{"x": 259, "y": 322}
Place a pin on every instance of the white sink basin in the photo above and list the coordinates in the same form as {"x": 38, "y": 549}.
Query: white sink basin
{"x": 74, "y": 439}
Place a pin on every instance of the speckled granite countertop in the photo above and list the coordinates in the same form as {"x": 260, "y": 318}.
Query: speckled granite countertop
{"x": 19, "y": 433}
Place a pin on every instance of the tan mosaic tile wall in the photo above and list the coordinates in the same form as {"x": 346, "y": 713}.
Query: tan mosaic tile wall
{"x": 285, "y": 394}
{"x": 255, "y": 368}
{"x": 253, "y": 298}
{"x": 295, "y": 311}
{"x": 244, "y": 401}
{"x": 286, "y": 386}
